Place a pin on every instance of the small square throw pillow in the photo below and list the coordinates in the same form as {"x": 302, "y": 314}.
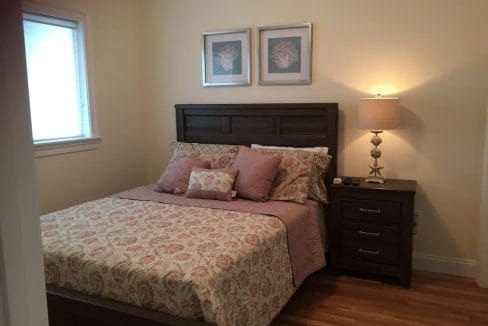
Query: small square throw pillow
{"x": 175, "y": 177}
{"x": 211, "y": 184}
{"x": 257, "y": 171}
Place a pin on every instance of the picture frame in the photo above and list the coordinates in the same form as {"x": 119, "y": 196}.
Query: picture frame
{"x": 226, "y": 57}
{"x": 285, "y": 54}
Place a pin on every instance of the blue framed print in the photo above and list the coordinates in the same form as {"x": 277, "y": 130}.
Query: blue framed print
{"x": 226, "y": 58}
{"x": 285, "y": 54}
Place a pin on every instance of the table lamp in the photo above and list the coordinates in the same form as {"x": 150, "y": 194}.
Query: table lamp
{"x": 378, "y": 114}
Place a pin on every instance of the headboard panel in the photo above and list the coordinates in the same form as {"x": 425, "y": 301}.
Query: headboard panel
{"x": 281, "y": 124}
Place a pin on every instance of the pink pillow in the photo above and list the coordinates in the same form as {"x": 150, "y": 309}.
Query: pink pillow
{"x": 257, "y": 171}
{"x": 211, "y": 184}
{"x": 175, "y": 177}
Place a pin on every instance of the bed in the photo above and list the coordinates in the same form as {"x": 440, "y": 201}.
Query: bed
{"x": 272, "y": 124}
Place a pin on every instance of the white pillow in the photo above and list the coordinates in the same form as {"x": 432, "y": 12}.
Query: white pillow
{"x": 324, "y": 150}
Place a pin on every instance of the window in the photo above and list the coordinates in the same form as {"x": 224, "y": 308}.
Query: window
{"x": 57, "y": 80}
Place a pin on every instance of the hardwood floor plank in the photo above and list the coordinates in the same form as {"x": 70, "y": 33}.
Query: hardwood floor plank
{"x": 433, "y": 299}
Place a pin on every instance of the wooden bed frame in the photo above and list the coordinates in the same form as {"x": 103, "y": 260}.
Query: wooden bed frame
{"x": 297, "y": 124}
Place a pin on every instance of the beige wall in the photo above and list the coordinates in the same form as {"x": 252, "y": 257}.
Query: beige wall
{"x": 114, "y": 35}
{"x": 432, "y": 54}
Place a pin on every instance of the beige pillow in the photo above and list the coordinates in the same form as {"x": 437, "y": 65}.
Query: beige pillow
{"x": 211, "y": 184}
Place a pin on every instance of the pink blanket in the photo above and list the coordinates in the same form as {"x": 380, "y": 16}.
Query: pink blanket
{"x": 304, "y": 242}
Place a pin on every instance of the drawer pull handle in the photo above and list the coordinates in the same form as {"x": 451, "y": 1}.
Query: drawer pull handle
{"x": 369, "y": 252}
{"x": 371, "y": 211}
{"x": 369, "y": 234}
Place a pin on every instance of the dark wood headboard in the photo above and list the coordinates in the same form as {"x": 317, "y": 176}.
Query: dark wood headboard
{"x": 281, "y": 124}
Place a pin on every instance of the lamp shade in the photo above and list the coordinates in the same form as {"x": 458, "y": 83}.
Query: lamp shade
{"x": 378, "y": 113}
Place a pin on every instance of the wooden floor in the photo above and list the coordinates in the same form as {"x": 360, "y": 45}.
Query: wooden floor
{"x": 433, "y": 299}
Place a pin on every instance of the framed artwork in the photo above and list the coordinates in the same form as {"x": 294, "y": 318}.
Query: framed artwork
{"x": 285, "y": 54}
{"x": 226, "y": 58}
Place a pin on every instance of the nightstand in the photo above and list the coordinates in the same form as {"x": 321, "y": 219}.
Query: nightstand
{"x": 370, "y": 228}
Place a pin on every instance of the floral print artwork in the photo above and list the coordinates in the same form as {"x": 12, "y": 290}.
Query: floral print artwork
{"x": 227, "y": 58}
{"x": 284, "y": 54}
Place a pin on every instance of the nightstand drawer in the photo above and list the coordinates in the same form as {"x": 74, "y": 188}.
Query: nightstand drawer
{"x": 375, "y": 252}
{"x": 369, "y": 232}
{"x": 374, "y": 211}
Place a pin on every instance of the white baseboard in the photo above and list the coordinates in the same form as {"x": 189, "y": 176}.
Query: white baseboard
{"x": 446, "y": 265}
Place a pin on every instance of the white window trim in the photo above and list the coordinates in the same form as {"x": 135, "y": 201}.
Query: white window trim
{"x": 65, "y": 146}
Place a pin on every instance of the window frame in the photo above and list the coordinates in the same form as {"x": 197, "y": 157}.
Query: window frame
{"x": 91, "y": 141}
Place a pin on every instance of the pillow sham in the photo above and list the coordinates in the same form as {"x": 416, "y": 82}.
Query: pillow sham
{"x": 201, "y": 148}
{"x": 175, "y": 177}
{"x": 177, "y": 146}
{"x": 319, "y": 149}
{"x": 216, "y": 160}
{"x": 292, "y": 181}
{"x": 317, "y": 189}
{"x": 215, "y": 148}
{"x": 211, "y": 184}
{"x": 257, "y": 171}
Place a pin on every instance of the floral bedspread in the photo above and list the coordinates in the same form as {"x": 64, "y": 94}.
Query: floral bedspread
{"x": 227, "y": 267}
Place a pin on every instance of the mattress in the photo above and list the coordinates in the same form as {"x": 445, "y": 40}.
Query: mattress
{"x": 223, "y": 266}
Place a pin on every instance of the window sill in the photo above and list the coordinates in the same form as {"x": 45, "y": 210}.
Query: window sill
{"x": 66, "y": 146}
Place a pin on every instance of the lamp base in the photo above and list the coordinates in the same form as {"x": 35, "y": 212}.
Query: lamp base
{"x": 375, "y": 179}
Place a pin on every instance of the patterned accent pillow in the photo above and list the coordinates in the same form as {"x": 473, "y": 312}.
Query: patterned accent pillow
{"x": 211, "y": 184}
{"x": 320, "y": 149}
{"x": 202, "y": 148}
{"x": 216, "y": 160}
{"x": 215, "y": 148}
{"x": 317, "y": 189}
{"x": 292, "y": 181}
{"x": 175, "y": 177}
{"x": 175, "y": 146}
